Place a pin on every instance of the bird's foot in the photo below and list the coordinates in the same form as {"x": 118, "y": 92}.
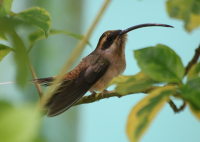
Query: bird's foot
{"x": 104, "y": 92}
{"x": 93, "y": 94}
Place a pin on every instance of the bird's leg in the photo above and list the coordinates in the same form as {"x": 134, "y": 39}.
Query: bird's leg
{"x": 103, "y": 92}
{"x": 93, "y": 94}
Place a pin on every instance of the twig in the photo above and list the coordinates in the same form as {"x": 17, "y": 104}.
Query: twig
{"x": 79, "y": 48}
{"x": 174, "y": 107}
{"x": 30, "y": 47}
{"x": 193, "y": 61}
{"x": 35, "y": 77}
{"x": 109, "y": 94}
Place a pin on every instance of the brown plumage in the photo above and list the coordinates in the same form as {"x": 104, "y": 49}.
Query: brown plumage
{"x": 93, "y": 73}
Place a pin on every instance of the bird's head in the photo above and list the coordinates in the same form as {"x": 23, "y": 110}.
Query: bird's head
{"x": 113, "y": 41}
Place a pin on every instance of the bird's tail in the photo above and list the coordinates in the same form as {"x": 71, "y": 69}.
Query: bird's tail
{"x": 43, "y": 81}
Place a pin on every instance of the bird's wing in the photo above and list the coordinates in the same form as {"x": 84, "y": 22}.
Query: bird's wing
{"x": 72, "y": 90}
{"x": 68, "y": 76}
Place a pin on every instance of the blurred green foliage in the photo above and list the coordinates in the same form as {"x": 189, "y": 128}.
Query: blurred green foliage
{"x": 4, "y": 50}
{"x": 19, "y": 124}
{"x": 186, "y": 10}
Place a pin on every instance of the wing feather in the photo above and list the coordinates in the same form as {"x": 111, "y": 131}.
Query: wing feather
{"x": 70, "y": 92}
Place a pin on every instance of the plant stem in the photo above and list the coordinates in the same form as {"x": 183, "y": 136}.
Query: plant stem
{"x": 78, "y": 49}
{"x": 174, "y": 107}
{"x": 35, "y": 77}
{"x": 109, "y": 94}
{"x": 193, "y": 61}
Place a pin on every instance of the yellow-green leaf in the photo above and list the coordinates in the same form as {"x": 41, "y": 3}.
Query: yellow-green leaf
{"x": 136, "y": 83}
{"x": 186, "y": 10}
{"x": 18, "y": 124}
{"x": 5, "y": 7}
{"x": 195, "y": 111}
{"x": 38, "y": 17}
{"x": 194, "y": 71}
{"x": 4, "y": 50}
{"x": 144, "y": 112}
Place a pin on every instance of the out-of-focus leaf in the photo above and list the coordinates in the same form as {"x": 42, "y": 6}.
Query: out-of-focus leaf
{"x": 4, "y": 106}
{"x": 136, "y": 83}
{"x": 186, "y": 10}
{"x": 21, "y": 58}
{"x": 195, "y": 111}
{"x": 194, "y": 71}
{"x": 38, "y": 35}
{"x": 2, "y": 35}
{"x": 160, "y": 63}
{"x": 4, "y": 50}
{"x": 5, "y": 7}
{"x": 18, "y": 124}
{"x": 38, "y": 17}
{"x": 40, "y": 140}
{"x": 191, "y": 91}
{"x": 144, "y": 112}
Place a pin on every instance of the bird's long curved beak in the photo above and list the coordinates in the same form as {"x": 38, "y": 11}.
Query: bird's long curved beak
{"x": 143, "y": 25}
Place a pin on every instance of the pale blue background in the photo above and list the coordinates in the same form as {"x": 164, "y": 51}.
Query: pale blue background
{"x": 105, "y": 121}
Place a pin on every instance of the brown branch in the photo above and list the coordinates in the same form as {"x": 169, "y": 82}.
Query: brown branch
{"x": 174, "y": 107}
{"x": 193, "y": 61}
{"x": 35, "y": 77}
{"x": 109, "y": 94}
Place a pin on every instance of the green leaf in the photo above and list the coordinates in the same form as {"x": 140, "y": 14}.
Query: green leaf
{"x": 136, "y": 83}
{"x": 195, "y": 111}
{"x": 160, "y": 63}
{"x": 18, "y": 124}
{"x": 38, "y": 17}
{"x": 5, "y": 7}
{"x": 191, "y": 91}
{"x": 38, "y": 35}
{"x": 144, "y": 112}
{"x": 186, "y": 10}
{"x": 4, "y": 50}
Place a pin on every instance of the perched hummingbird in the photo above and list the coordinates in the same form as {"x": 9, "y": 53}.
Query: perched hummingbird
{"x": 94, "y": 72}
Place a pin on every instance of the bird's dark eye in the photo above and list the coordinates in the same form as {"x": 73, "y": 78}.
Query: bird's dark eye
{"x": 109, "y": 38}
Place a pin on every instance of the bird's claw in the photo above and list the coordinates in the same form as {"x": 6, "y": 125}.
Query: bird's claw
{"x": 93, "y": 95}
{"x": 103, "y": 92}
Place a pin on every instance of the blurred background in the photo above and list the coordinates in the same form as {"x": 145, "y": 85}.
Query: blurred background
{"x": 103, "y": 121}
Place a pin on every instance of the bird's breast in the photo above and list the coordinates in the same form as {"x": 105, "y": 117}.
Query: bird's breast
{"x": 116, "y": 67}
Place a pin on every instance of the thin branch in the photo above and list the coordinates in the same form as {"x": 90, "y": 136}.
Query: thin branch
{"x": 30, "y": 47}
{"x": 193, "y": 61}
{"x": 109, "y": 94}
{"x": 174, "y": 107}
{"x": 35, "y": 77}
{"x": 79, "y": 48}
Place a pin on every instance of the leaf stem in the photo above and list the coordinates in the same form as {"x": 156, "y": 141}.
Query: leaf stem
{"x": 79, "y": 48}
{"x": 30, "y": 47}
